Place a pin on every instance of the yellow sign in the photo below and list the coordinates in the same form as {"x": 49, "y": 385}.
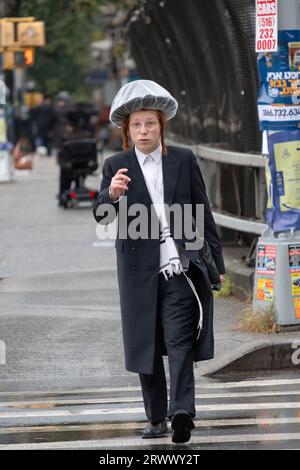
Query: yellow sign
{"x": 7, "y": 37}
{"x": 31, "y": 34}
{"x": 295, "y": 278}
{"x": 297, "y": 308}
{"x": 33, "y": 98}
{"x": 287, "y": 157}
{"x": 21, "y": 32}
{"x": 265, "y": 289}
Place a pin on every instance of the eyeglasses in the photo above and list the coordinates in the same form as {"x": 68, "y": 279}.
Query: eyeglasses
{"x": 148, "y": 124}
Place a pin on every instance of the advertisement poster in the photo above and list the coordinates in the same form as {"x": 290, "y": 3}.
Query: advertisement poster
{"x": 294, "y": 268}
{"x": 294, "y": 258}
{"x": 266, "y": 259}
{"x": 284, "y": 163}
{"x": 265, "y": 288}
{"x": 295, "y": 278}
{"x": 279, "y": 88}
{"x": 266, "y": 26}
{"x": 297, "y": 308}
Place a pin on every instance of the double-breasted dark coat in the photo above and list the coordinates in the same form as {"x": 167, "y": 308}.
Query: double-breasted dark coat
{"x": 138, "y": 259}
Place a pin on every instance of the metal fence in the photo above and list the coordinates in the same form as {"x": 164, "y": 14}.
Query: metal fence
{"x": 203, "y": 52}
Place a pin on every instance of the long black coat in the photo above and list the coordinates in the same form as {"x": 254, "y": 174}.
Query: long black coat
{"x": 138, "y": 260}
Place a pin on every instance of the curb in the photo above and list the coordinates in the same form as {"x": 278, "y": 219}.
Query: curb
{"x": 277, "y": 356}
{"x": 242, "y": 276}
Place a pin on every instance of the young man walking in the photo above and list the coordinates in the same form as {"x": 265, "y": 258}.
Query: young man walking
{"x": 165, "y": 280}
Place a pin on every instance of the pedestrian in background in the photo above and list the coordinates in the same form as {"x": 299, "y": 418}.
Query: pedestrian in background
{"x": 165, "y": 287}
{"x": 60, "y": 120}
{"x": 73, "y": 130}
{"x": 43, "y": 118}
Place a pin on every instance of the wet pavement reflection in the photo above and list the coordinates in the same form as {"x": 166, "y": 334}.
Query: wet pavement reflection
{"x": 236, "y": 413}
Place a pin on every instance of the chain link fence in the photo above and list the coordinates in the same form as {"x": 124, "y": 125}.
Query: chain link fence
{"x": 203, "y": 52}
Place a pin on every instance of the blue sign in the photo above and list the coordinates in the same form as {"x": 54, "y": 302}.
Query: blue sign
{"x": 97, "y": 77}
{"x": 283, "y": 210}
{"x": 279, "y": 90}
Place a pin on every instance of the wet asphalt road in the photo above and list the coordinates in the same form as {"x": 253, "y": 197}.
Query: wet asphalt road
{"x": 59, "y": 302}
{"x": 63, "y": 383}
{"x": 260, "y": 413}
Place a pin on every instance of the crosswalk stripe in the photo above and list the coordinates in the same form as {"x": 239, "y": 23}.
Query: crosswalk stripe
{"x": 92, "y": 401}
{"x": 136, "y": 410}
{"x": 199, "y": 386}
{"x": 77, "y": 414}
{"x": 123, "y": 426}
{"x": 140, "y": 443}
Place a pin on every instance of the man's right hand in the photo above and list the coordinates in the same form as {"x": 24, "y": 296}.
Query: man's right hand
{"x": 119, "y": 184}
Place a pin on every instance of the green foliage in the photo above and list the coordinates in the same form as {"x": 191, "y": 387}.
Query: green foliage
{"x": 64, "y": 61}
{"x": 226, "y": 289}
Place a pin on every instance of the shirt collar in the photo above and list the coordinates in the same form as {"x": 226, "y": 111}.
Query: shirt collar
{"x": 155, "y": 154}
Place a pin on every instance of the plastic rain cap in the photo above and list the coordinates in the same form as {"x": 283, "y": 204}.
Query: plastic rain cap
{"x": 141, "y": 94}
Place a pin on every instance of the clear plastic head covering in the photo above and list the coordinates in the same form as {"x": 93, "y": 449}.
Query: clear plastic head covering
{"x": 141, "y": 94}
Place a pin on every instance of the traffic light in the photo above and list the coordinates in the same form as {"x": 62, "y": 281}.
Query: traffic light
{"x": 18, "y": 39}
{"x": 29, "y": 57}
{"x": 17, "y": 59}
{"x": 24, "y": 58}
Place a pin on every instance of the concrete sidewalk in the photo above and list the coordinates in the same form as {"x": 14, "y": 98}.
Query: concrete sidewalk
{"x": 59, "y": 306}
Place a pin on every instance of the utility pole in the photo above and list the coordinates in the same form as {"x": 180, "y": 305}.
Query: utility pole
{"x": 18, "y": 39}
{"x": 277, "y": 273}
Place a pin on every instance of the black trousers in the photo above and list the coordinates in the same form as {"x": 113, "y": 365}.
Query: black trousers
{"x": 65, "y": 180}
{"x": 176, "y": 326}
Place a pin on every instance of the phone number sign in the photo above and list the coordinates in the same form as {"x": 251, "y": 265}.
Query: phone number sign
{"x": 266, "y": 26}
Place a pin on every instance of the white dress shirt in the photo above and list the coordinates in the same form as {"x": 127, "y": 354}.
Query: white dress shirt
{"x": 151, "y": 166}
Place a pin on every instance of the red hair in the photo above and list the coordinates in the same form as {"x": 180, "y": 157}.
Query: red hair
{"x": 162, "y": 123}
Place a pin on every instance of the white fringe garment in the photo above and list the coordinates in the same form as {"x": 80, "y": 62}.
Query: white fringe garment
{"x": 170, "y": 262}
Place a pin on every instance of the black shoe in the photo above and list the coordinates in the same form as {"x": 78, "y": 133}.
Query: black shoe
{"x": 155, "y": 430}
{"x": 182, "y": 424}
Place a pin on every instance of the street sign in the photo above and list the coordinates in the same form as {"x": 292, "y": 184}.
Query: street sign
{"x": 18, "y": 38}
{"x": 31, "y": 34}
{"x": 17, "y": 58}
{"x": 7, "y": 37}
{"x": 266, "y": 26}
{"x": 96, "y": 77}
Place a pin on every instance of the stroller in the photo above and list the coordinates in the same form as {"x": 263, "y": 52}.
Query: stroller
{"x": 77, "y": 159}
